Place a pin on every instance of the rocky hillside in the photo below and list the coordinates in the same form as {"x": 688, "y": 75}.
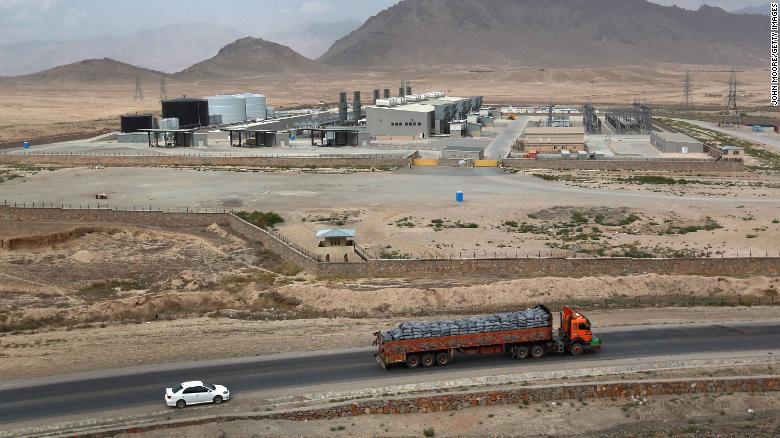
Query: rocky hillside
{"x": 92, "y": 70}
{"x": 247, "y": 57}
{"x": 550, "y": 33}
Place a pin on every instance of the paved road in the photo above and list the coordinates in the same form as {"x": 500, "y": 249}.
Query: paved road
{"x": 770, "y": 140}
{"x": 501, "y": 146}
{"x": 93, "y": 395}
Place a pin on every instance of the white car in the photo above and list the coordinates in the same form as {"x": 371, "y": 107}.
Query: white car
{"x": 195, "y": 392}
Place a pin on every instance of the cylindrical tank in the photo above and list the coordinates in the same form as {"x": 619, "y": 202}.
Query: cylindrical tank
{"x": 231, "y": 107}
{"x": 190, "y": 112}
{"x": 136, "y": 122}
{"x": 256, "y": 105}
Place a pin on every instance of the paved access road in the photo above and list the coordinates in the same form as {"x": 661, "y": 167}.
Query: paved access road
{"x": 133, "y": 390}
{"x": 772, "y": 141}
{"x": 501, "y": 146}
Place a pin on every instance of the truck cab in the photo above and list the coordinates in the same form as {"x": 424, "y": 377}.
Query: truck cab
{"x": 575, "y": 334}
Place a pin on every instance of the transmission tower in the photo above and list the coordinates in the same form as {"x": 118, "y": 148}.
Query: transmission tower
{"x": 687, "y": 91}
{"x": 139, "y": 93}
{"x": 163, "y": 91}
{"x": 731, "y": 117}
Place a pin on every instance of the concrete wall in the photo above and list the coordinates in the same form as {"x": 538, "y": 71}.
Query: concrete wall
{"x": 651, "y": 165}
{"x": 273, "y": 243}
{"x": 510, "y": 268}
{"x": 183, "y": 160}
{"x": 552, "y": 267}
{"x": 152, "y": 218}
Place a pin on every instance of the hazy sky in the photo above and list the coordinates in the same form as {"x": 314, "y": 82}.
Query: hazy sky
{"x": 27, "y": 20}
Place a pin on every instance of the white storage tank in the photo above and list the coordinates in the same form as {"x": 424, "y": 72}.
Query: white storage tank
{"x": 256, "y": 105}
{"x": 232, "y": 108}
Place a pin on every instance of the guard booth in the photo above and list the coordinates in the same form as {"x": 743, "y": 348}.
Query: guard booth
{"x": 336, "y": 245}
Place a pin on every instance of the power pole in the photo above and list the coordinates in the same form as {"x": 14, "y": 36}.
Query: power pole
{"x": 163, "y": 91}
{"x": 139, "y": 93}
{"x": 731, "y": 117}
{"x": 687, "y": 91}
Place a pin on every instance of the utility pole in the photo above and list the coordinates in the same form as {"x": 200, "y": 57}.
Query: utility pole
{"x": 139, "y": 93}
{"x": 731, "y": 117}
{"x": 163, "y": 91}
{"x": 687, "y": 91}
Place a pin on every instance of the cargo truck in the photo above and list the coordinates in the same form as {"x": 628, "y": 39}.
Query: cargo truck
{"x": 574, "y": 336}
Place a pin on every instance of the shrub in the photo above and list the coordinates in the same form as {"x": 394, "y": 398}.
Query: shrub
{"x": 429, "y": 432}
{"x": 260, "y": 218}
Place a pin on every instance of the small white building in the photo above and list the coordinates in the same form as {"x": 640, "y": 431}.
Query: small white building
{"x": 336, "y": 245}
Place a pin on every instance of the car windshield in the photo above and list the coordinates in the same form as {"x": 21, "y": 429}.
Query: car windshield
{"x": 176, "y": 389}
{"x": 211, "y": 387}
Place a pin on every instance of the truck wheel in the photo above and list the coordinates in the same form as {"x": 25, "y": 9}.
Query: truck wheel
{"x": 428, "y": 360}
{"x": 412, "y": 361}
{"x": 522, "y": 352}
{"x": 537, "y": 351}
{"x": 442, "y": 359}
{"x": 576, "y": 349}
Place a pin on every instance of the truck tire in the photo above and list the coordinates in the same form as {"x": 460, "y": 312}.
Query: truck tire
{"x": 522, "y": 352}
{"x": 576, "y": 348}
{"x": 442, "y": 359}
{"x": 428, "y": 360}
{"x": 538, "y": 351}
{"x": 412, "y": 361}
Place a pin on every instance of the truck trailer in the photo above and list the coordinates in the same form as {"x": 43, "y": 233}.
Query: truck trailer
{"x": 519, "y": 335}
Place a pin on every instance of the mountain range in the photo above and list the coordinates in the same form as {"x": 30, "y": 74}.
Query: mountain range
{"x": 431, "y": 33}
{"x": 159, "y": 49}
{"x": 549, "y": 33}
{"x": 763, "y": 10}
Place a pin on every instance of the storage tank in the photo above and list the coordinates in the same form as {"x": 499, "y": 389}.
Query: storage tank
{"x": 231, "y": 107}
{"x": 136, "y": 122}
{"x": 256, "y": 105}
{"x": 191, "y": 112}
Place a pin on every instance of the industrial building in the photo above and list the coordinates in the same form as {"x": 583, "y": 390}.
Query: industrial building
{"x": 339, "y": 136}
{"x": 419, "y": 115}
{"x": 162, "y": 138}
{"x": 554, "y": 139}
{"x": 135, "y": 122}
{"x": 192, "y": 113}
{"x": 674, "y": 142}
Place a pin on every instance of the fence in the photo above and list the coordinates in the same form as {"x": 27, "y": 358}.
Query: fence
{"x": 518, "y": 265}
{"x": 200, "y": 154}
{"x": 560, "y": 254}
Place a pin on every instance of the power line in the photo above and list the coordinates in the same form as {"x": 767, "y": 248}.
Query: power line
{"x": 731, "y": 117}
{"x": 687, "y": 91}
{"x": 139, "y": 93}
{"x": 163, "y": 91}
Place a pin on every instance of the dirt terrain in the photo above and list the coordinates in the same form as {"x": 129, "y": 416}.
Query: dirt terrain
{"x": 32, "y": 110}
{"x": 725, "y": 415}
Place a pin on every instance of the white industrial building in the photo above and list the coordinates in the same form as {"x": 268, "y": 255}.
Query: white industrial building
{"x": 675, "y": 142}
{"x": 419, "y": 115}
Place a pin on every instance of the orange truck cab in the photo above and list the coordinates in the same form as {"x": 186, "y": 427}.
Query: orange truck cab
{"x": 575, "y": 335}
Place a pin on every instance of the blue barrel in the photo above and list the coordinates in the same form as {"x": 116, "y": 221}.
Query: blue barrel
{"x": 26, "y": 145}
{"x": 459, "y": 197}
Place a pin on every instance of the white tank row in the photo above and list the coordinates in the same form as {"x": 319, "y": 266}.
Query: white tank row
{"x": 395, "y": 101}
{"x": 238, "y": 108}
